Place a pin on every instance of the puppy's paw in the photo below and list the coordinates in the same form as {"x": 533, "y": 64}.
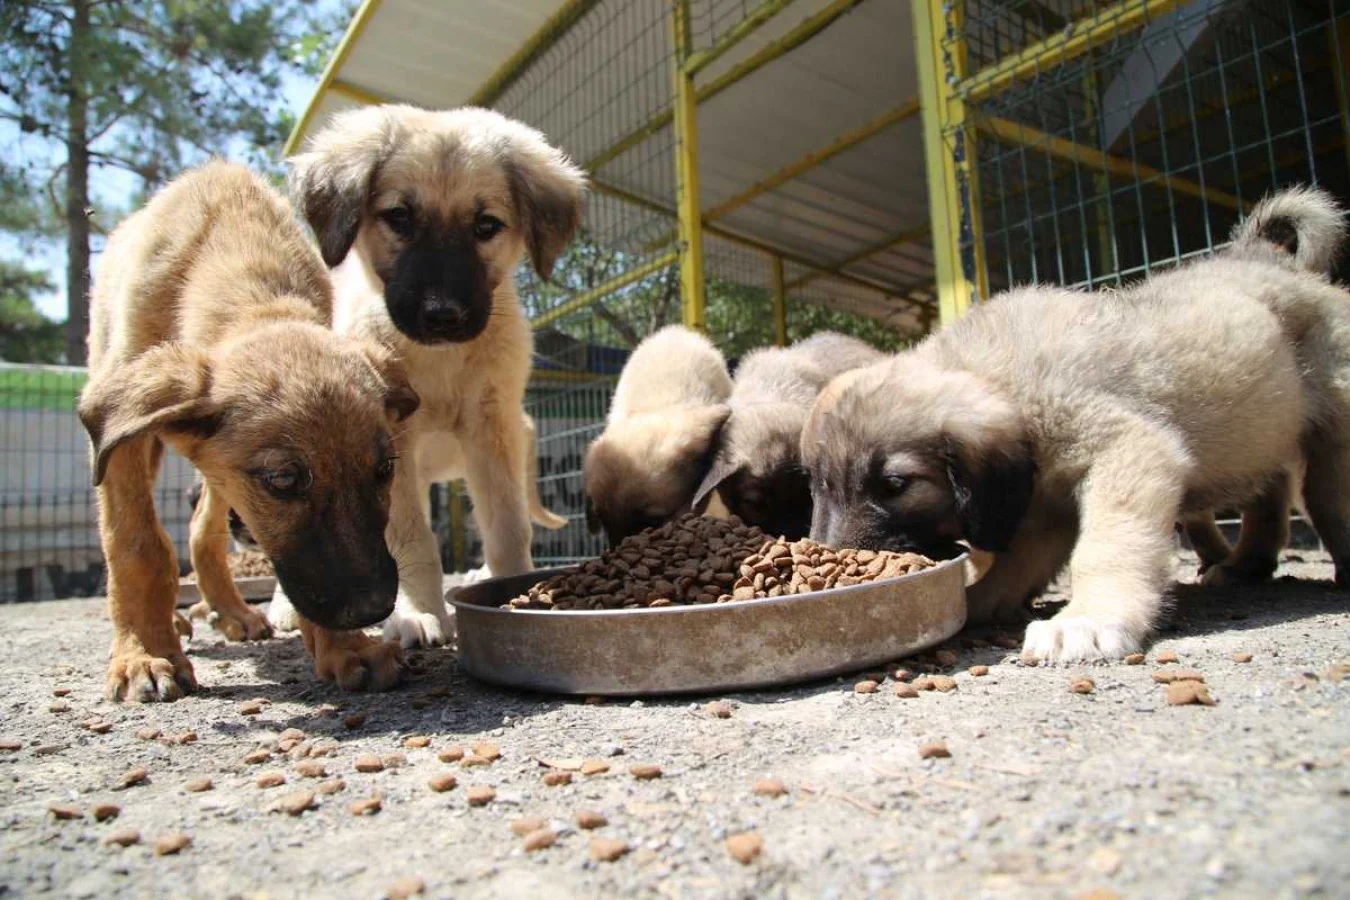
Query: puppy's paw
{"x": 356, "y": 662}
{"x": 1236, "y": 572}
{"x": 473, "y": 576}
{"x": 281, "y": 614}
{"x": 410, "y": 627}
{"x": 140, "y": 676}
{"x": 1069, "y": 639}
{"x": 243, "y": 624}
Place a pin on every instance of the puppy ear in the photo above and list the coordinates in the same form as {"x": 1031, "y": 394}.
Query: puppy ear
{"x": 992, "y": 490}
{"x": 164, "y": 389}
{"x": 548, "y": 190}
{"x": 592, "y": 520}
{"x": 722, "y": 469}
{"x": 331, "y": 182}
{"x": 400, "y": 400}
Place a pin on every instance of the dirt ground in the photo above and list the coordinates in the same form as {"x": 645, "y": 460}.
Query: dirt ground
{"x": 1046, "y": 793}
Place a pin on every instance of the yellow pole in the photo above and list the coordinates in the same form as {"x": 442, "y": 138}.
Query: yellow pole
{"x": 779, "y": 303}
{"x": 686, "y": 173}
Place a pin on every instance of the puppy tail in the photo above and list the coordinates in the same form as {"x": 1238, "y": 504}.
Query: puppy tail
{"x": 1301, "y": 227}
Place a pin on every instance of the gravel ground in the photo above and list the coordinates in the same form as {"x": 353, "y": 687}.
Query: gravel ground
{"x": 1046, "y": 792}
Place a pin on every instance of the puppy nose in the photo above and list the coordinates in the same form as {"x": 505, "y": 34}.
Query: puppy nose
{"x": 439, "y": 310}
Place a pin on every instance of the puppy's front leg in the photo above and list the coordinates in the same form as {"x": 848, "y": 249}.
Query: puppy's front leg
{"x": 1265, "y": 532}
{"x": 221, "y": 604}
{"x": 1037, "y": 552}
{"x": 146, "y": 661}
{"x": 1121, "y": 564}
{"x": 420, "y": 617}
{"x": 495, "y": 475}
{"x": 352, "y": 660}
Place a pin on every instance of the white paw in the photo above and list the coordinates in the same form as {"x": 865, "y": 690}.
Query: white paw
{"x": 1071, "y": 639}
{"x": 482, "y": 573}
{"x": 410, "y": 627}
{"x": 280, "y": 614}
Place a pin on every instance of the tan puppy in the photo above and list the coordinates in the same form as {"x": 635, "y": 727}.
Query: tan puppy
{"x": 758, "y": 468}
{"x": 210, "y": 333}
{"x": 426, "y": 216}
{"x": 659, "y": 439}
{"x": 1052, "y": 426}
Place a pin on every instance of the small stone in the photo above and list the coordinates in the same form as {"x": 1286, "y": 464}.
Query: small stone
{"x": 1134, "y": 659}
{"x": 102, "y": 812}
{"x": 744, "y": 847}
{"x": 907, "y": 691}
{"x": 1165, "y": 657}
{"x": 1184, "y": 693}
{"x": 332, "y": 786}
{"x": 123, "y": 837}
{"x": 453, "y": 753}
{"x": 645, "y": 772}
{"x": 1083, "y": 686}
{"x": 865, "y": 687}
{"x": 525, "y": 824}
{"x": 718, "y": 710}
{"x": 369, "y": 763}
{"x": 355, "y": 720}
{"x": 978, "y": 671}
{"x": 170, "y": 844}
{"x": 1242, "y": 657}
{"x": 198, "y": 784}
{"x": 555, "y": 779}
{"x": 259, "y": 756}
{"x": 770, "y": 787}
{"x": 65, "y": 811}
{"x": 405, "y": 887}
{"x": 133, "y": 777}
{"x": 488, "y": 751}
{"x": 540, "y": 839}
{"x": 442, "y": 782}
{"x": 935, "y": 750}
{"x": 589, "y": 820}
{"x": 416, "y": 741}
{"x": 311, "y": 768}
{"x": 946, "y": 658}
{"x": 943, "y": 683}
{"x": 59, "y": 706}
{"x": 270, "y": 780}
{"x": 251, "y": 708}
{"x": 594, "y": 767}
{"x": 607, "y": 849}
{"x": 480, "y": 795}
{"x": 368, "y": 806}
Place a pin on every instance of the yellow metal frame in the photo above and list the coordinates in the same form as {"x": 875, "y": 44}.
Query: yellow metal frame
{"x": 779, "y": 302}
{"x": 692, "y": 288}
{"x": 903, "y": 237}
{"x": 757, "y": 17}
{"x": 600, "y": 291}
{"x": 536, "y": 46}
{"x": 364, "y": 14}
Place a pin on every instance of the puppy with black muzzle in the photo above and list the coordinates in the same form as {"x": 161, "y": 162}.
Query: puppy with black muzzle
{"x": 1057, "y": 427}
{"x": 757, "y": 469}
{"x": 660, "y": 436}
{"x": 210, "y": 333}
{"x": 426, "y": 216}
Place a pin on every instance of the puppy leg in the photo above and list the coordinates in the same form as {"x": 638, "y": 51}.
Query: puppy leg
{"x": 1265, "y": 532}
{"x": 352, "y": 660}
{"x": 1037, "y": 553}
{"x": 1122, "y": 562}
{"x": 1206, "y": 539}
{"x": 1326, "y": 493}
{"x": 495, "y": 477}
{"x": 420, "y": 617}
{"x": 221, "y": 606}
{"x": 146, "y": 661}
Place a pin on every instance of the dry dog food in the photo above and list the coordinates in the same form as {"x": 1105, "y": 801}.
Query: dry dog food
{"x": 935, "y": 750}
{"x": 1185, "y": 693}
{"x": 443, "y": 782}
{"x": 1083, "y": 685}
{"x": 745, "y": 846}
{"x": 366, "y": 807}
{"x": 527, "y": 824}
{"x": 170, "y": 844}
{"x": 590, "y": 819}
{"x": 769, "y": 787}
{"x": 594, "y": 767}
{"x": 645, "y": 772}
{"x": 607, "y": 849}
{"x": 481, "y": 795}
{"x": 123, "y": 837}
{"x": 102, "y": 812}
{"x": 540, "y": 839}
{"x": 198, "y": 784}
{"x": 696, "y": 559}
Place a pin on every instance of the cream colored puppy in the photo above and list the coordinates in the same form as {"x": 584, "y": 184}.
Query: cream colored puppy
{"x": 1052, "y": 426}
{"x": 425, "y": 217}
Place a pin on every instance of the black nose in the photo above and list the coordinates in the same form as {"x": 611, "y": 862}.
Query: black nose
{"x": 443, "y": 314}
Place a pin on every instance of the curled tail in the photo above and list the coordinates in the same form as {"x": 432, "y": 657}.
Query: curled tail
{"x": 540, "y": 514}
{"x": 1300, "y": 227}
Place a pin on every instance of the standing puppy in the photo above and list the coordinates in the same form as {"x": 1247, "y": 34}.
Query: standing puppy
{"x": 1052, "y": 426}
{"x": 426, "y": 216}
{"x": 758, "y": 469}
{"x": 660, "y": 436}
{"x": 210, "y": 333}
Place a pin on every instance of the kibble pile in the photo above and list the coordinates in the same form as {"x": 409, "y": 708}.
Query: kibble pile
{"x": 250, "y": 564}
{"x": 696, "y": 559}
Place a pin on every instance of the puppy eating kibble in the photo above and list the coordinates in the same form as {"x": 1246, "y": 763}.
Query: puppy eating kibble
{"x": 757, "y": 469}
{"x": 426, "y": 217}
{"x": 659, "y": 440}
{"x": 210, "y": 334}
{"x": 1054, "y": 426}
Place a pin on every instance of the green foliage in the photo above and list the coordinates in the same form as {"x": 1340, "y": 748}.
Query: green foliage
{"x": 26, "y": 335}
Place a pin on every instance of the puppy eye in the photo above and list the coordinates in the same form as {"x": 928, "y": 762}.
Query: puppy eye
{"x": 399, "y": 219}
{"x": 895, "y": 484}
{"x": 288, "y": 482}
{"x": 385, "y": 470}
{"x": 487, "y": 227}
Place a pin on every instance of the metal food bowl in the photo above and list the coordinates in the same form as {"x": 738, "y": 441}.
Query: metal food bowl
{"x": 704, "y": 648}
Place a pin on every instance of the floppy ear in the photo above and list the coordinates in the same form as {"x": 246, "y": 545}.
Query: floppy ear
{"x": 330, "y": 183}
{"x": 992, "y": 489}
{"x": 592, "y": 520}
{"x": 722, "y": 469}
{"x": 164, "y": 389}
{"x": 695, "y": 435}
{"x": 547, "y": 189}
{"x": 400, "y": 400}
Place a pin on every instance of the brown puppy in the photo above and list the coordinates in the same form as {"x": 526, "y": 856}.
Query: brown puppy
{"x": 1054, "y": 427}
{"x": 426, "y": 217}
{"x": 210, "y": 334}
{"x": 658, "y": 444}
{"x": 758, "y": 469}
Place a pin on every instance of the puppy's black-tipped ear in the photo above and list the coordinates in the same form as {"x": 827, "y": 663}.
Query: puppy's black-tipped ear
{"x": 548, "y": 191}
{"x": 592, "y": 520}
{"x": 331, "y": 182}
{"x": 992, "y": 489}
{"x": 722, "y": 469}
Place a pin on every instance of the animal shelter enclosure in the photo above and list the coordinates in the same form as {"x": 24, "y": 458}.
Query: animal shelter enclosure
{"x": 766, "y": 169}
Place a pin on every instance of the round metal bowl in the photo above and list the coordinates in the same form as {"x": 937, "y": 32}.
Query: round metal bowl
{"x": 706, "y": 648}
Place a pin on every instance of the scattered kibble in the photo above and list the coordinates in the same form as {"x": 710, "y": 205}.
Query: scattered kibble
{"x": 979, "y": 671}
{"x": 59, "y": 706}
{"x": 332, "y": 786}
{"x": 907, "y": 691}
{"x": 865, "y": 687}
{"x": 61, "y": 692}
{"x": 453, "y": 753}
{"x": 270, "y": 780}
{"x": 198, "y": 784}
{"x": 297, "y": 803}
{"x": 589, "y": 820}
{"x": 594, "y": 767}
{"x": 480, "y": 795}
{"x": 259, "y": 756}
{"x": 645, "y": 772}
{"x": 1083, "y": 686}
{"x": 769, "y": 787}
{"x": 369, "y": 763}
{"x": 1184, "y": 693}
{"x": 251, "y": 708}
{"x": 934, "y": 750}
{"x": 943, "y": 683}
{"x": 442, "y": 782}
{"x": 171, "y": 844}
{"x": 394, "y": 760}
{"x": 923, "y": 684}
{"x": 488, "y": 751}
{"x": 123, "y": 837}
{"x": 65, "y": 811}
{"x": 102, "y": 812}
{"x": 1242, "y": 657}
{"x": 311, "y": 768}
{"x": 133, "y": 777}
{"x": 1165, "y": 657}
{"x": 540, "y": 839}
{"x": 745, "y": 847}
{"x": 607, "y": 849}
{"x": 473, "y": 759}
{"x": 556, "y": 779}
{"x": 291, "y": 734}
{"x": 1134, "y": 659}
{"x": 367, "y": 806}
{"x": 405, "y": 887}
{"x": 10, "y": 745}
{"x": 98, "y": 726}
{"x": 718, "y": 710}
{"x": 526, "y": 824}
{"x": 1187, "y": 675}
{"x": 416, "y": 741}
